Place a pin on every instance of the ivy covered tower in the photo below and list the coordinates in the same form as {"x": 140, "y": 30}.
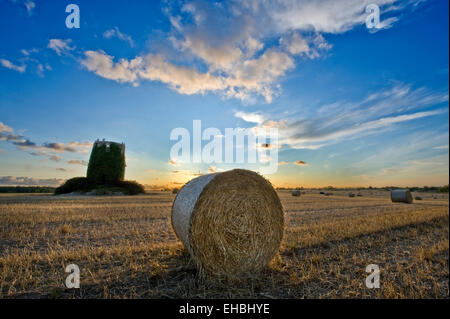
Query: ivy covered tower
{"x": 107, "y": 163}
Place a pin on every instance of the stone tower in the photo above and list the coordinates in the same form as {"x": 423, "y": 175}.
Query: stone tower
{"x": 107, "y": 163}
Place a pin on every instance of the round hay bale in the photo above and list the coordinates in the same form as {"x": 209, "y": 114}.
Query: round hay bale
{"x": 401, "y": 196}
{"x": 351, "y": 195}
{"x": 418, "y": 198}
{"x": 175, "y": 191}
{"x": 230, "y": 222}
{"x": 295, "y": 192}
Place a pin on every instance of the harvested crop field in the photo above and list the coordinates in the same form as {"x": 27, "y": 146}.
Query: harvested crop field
{"x": 126, "y": 248}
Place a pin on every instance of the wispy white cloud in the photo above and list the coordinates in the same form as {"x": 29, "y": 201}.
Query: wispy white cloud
{"x": 385, "y": 24}
{"x": 29, "y": 51}
{"x": 30, "y": 5}
{"x": 60, "y": 46}
{"x": 358, "y": 129}
{"x": 250, "y": 117}
{"x": 9, "y": 65}
{"x": 310, "y": 46}
{"x": 27, "y": 62}
{"x": 5, "y": 128}
{"x": 348, "y": 120}
{"x": 116, "y": 33}
{"x": 325, "y": 16}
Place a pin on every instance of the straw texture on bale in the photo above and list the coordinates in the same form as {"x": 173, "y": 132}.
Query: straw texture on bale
{"x": 231, "y": 222}
{"x": 401, "y": 196}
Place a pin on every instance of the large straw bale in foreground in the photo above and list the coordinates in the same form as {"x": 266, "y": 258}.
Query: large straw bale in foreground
{"x": 401, "y": 196}
{"x": 231, "y": 223}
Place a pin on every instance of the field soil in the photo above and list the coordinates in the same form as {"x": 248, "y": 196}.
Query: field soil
{"x": 125, "y": 248}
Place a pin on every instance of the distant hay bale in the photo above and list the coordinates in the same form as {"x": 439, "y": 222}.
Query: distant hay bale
{"x": 175, "y": 191}
{"x": 359, "y": 195}
{"x": 401, "y": 196}
{"x": 351, "y": 195}
{"x": 295, "y": 192}
{"x": 230, "y": 222}
{"x": 418, "y": 198}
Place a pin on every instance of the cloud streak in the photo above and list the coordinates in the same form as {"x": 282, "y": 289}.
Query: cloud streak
{"x": 47, "y": 149}
{"x": 77, "y": 162}
{"x": 250, "y": 117}
{"x": 60, "y": 46}
{"x": 325, "y": 16}
{"x": 9, "y": 65}
{"x": 173, "y": 162}
{"x": 347, "y": 120}
{"x": 29, "y": 181}
{"x": 5, "y": 128}
{"x": 115, "y": 33}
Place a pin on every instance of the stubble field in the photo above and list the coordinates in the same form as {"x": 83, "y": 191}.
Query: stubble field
{"x": 126, "y": 248}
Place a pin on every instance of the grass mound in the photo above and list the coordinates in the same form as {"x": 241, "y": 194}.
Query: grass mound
{"x": 76, "y": 184}
{"x": 83, "y": 185}
{"x": 131, "y": 187}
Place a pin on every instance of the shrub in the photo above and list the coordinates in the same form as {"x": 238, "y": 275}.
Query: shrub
{"x": 26, "y": 189}
{"x": 73, "y": 185}
{"x": 82, "y": 184}
{"x": 130, "y": 187}
{"x": 443, "y": 189}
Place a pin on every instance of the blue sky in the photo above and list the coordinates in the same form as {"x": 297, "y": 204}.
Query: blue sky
{"x": 356, "y": 107}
